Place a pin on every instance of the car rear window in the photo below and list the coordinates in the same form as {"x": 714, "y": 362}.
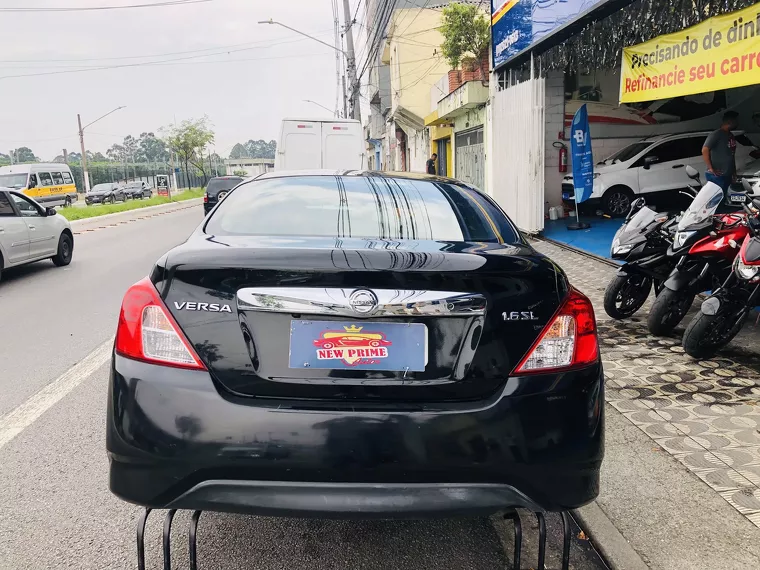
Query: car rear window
{"x": 361, "y": 207}
{"x": 216, "y": 184}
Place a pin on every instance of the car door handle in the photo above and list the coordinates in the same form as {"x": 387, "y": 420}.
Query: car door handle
{"x": 679, "y": 166}
{"x": 32, "y": 228}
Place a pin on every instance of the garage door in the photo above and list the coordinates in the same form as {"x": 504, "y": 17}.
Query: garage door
{"x": 470, "y": 157}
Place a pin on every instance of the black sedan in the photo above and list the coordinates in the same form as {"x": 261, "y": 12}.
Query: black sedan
{"x": 138, "y": 190}
{"x": 217, "y": 189}
{"x": 355, "y": 344}
{"x": 107, "y": 193}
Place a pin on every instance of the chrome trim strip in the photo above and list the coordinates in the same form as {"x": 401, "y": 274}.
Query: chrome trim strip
{"x": 335, "y": 302}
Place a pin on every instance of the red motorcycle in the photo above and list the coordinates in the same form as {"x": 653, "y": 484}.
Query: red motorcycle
{"x": 722, "y": 315}
{"x": 705, "y": 245}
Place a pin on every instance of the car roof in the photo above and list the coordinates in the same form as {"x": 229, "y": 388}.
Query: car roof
{"x": 657, "y": 138}
{"x": 357, "y": 173}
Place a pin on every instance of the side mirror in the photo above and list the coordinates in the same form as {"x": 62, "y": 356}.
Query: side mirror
{"x": 50, "y": 212}
{"x": 636, "y": 205}
{"x": 746, "y": 186}
{"x": 650, "y": 160}
{"x": 692, "y": 173}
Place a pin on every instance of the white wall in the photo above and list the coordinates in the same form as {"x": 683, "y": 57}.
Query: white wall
{"x": 554, "y": 124}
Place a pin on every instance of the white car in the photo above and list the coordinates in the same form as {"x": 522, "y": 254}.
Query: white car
{"x": 30, "y": 232}
{"x": 652, "y": 165}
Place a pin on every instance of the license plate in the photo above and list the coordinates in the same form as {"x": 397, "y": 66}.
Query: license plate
{"x": 737, "y": 198}
{"x": 350, "y": 345}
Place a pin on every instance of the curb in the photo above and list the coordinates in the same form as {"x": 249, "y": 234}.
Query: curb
{"x": 192, "y": 201}
{"x": 615, "y": 549}
{"x": 561, "y": 245}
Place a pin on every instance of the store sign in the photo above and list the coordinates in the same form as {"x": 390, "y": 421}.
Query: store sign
{"x": 518, "y": 24}
{"x": 720, "y": 53}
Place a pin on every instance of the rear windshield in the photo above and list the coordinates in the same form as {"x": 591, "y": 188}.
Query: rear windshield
{"x": 222, "y": 184}
{"x": 361, "y": 207}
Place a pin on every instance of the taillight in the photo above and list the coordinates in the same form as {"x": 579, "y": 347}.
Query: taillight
{"x": 205, "y": 197}
{"x": 568, "y": 341}
{"x": 148, "y": 332}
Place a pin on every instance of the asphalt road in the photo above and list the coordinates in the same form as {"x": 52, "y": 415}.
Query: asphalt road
{"x": 55, "y": 507}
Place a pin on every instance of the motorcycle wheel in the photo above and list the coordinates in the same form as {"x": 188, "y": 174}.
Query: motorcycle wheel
{"x": 668, "y": 309}
{"x": 706, "y": 334}
{"x": 625, "y": 295}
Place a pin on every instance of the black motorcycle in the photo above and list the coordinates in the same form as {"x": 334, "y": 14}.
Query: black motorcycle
{"x": 722, "y": 315}
{"x": 642, "y": 242}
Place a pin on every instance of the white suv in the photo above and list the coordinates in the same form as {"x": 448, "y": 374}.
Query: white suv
{"x": 656, "y": 164}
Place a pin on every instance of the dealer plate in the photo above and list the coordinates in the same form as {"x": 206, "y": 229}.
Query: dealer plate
{"x": 352, "y": 345}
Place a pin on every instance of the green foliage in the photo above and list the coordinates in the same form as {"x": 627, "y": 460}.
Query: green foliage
{"x": 24, "y": 154}
{"x": 466, "y": 33}
{"x": 240, "y": 173}
{"x": 188, "y": 140}
{"x": 254, "y": 149}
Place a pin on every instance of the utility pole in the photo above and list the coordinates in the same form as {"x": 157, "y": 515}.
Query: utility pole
{"x": 11, "y": 155}
{"x": 351, "y": 64}
{"x": 345, "y": 100}
{"x": 85, "y": 177}
{"x": 65, "y": 156}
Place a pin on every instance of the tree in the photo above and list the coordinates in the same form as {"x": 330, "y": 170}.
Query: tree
{"x": 4, "y": 159}
{"x": 93, "y": 156}
{"x": 238, "y": 151}
{"x": 152, "y": 148}
{"x": 117, "y": 153}
{"x": 466, "y": 33}
{"x": 24, "y": 154}
{"x": 240, "y": 173}
{"x": 261, "y": 148}
{"x": 189, "y": 140}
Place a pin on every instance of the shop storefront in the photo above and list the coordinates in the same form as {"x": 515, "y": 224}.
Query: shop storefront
{"x": 653, "y": 87}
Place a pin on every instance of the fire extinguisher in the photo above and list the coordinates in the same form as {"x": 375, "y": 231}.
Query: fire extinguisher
{"x": 563, "y": 158}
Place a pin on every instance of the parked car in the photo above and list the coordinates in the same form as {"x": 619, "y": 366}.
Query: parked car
{"x": 107, "y": 193}
{"x": 487, "y": 394}
{"x": 651, "y": 166}
{"x": 138, "y": 189}
{"x": 217, "y": 189}
{"x": 29, "y": 232}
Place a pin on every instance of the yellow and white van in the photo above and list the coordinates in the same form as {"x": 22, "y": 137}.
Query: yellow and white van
{"x": 49, "y": 184}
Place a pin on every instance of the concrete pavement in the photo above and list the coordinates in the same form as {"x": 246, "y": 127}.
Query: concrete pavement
{"x": 681, "y": 475}
{"x": 55, "y": 507}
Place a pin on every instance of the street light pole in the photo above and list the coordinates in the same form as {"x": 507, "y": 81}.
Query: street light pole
{"x": 319, "y": 105}
{"x": 350, "y": 59}
{"x": 85, "y": 174}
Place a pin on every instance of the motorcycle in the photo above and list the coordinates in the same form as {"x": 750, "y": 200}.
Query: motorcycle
{"x": 642, "y": 242}
{"x": 702, "y": 254}
{"x": 722, "y": 315}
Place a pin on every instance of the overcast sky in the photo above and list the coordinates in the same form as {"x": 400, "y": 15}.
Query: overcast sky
{"x": 245, "y": 93}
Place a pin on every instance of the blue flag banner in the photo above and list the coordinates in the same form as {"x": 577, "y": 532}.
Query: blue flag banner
{"x": 583, "y": 161}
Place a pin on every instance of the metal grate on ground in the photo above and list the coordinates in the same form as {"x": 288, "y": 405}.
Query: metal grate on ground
{"x": 706, "y": 414}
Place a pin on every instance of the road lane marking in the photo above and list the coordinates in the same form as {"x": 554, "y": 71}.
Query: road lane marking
{"x": 30, "y": 411}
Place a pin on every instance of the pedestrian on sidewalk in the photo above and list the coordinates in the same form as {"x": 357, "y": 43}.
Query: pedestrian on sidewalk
{"x": 719, "y": 152}
{"x": 430, "y": 164}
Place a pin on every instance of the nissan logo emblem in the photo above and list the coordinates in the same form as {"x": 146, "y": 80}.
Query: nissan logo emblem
{"x": 363, "y": 301}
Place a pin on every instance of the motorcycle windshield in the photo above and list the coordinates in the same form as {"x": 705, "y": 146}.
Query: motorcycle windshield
{"x": 643, "y": 218}
{"x": 702, "y": 207}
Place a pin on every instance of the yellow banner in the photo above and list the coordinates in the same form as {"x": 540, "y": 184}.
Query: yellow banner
{"x": 719, "y": 53}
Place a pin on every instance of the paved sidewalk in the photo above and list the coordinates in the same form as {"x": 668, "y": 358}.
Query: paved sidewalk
{"x": 687, "y": 495}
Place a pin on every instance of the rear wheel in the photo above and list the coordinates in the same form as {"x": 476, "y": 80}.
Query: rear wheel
{"x": 65, "y": 250}
{"x": 706, "y": 334}
{"x": 617, "y": 201}
{"x": 626, "y": 294}
{"x": 668, "y": 309}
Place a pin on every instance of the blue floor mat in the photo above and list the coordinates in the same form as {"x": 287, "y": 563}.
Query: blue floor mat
{"x": 596, "y": 239}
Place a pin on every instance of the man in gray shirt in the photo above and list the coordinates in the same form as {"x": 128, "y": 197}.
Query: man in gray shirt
{"x": 719, "y": 152}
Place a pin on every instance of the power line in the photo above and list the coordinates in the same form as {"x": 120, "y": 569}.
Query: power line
{"x": 224, "y": 48}
{"x": 164, "y": 4}
{"x": 154, "y": 63}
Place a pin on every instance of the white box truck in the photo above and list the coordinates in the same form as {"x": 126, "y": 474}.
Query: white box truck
{"x": 313, "y": 144}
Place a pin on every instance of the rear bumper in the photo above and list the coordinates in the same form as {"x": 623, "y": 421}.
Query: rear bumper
{"x": 176, "y": 441}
